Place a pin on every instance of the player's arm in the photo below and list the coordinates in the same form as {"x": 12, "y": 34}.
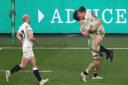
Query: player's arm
{"x": 84, "y": 32}
{"x": 95, "y": 27}
{"x": 84, "y": 29}
{"x": 19, "y": 37}
{"x": 31, "y": 37}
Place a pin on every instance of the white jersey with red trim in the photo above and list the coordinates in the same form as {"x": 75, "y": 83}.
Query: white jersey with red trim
{"x": 23, "y": 29}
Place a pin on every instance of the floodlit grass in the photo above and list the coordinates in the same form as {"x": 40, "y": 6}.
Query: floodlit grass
{"x": 66, "y": 65}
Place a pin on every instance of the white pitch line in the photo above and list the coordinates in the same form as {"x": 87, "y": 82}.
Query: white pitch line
{"x": 28, "y": 71}
{"x": 1, "y": 48}
{"x": 59, "y": 48}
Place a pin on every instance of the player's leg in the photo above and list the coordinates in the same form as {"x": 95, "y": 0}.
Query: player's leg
{"x": 36, "y": 72}
{"x": 16, "y": 68}
{"x": 35, "y": 69}
{"x": 25, "y": 61}
{"x": 96, "y": 44}
{"x": 97, "y": 69}
{"x": 109, "y": 53}
{"x": 96, "y": 47}
{"x": 94, "y": 63}
{"x": 90, "y": 67}
{"x": 34, "y": 64}
{"x": 84, "y": 74}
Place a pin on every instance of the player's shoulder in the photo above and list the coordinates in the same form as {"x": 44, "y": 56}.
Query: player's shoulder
{"x": 26, "y": 26}
{"x": 88, "y": 13}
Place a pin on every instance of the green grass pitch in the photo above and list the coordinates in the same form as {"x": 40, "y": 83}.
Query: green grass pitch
{"x": 66, "y": 64}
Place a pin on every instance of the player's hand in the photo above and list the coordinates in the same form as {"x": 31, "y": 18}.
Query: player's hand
{"x": 35, "y": 41}
{"x": 81, "y": 21}
{"x": 84, "y": 32}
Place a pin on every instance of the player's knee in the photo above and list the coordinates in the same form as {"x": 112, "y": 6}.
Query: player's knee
{"x": 33, "y": 62}
{"x": 96, "y": 62}
{"x": 22, "y": 66}
{"x": 92, "y": 65}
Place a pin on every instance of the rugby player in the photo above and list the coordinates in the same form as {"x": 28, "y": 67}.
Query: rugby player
{"x": 92, "y": 28}
{"x": 26, "y": 38}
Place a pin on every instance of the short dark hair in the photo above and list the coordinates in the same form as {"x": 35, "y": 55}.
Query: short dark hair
{"x": 82, "y": 9}
{"x": 75, "y": 15}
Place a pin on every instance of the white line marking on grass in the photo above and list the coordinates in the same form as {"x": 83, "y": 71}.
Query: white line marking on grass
{"x": 1, "y": 48}
{"x": 59, "y": 48}
{"x": 28, "y": 71}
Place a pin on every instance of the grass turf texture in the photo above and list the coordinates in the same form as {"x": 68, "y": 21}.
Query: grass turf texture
{"x": 66, "y": 65}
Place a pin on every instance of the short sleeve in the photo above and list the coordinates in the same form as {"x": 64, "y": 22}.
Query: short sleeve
{"x": 87, "y": 26}
{"x": 95, "y": 22}
{"x": 28, "y": 28}
{"x": 88, "y": 20}
{"x": 20, "y": 29}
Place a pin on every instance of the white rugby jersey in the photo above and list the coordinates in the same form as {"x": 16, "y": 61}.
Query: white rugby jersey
{"x": 90, "y": 21}
{"x": 23, "y": 29}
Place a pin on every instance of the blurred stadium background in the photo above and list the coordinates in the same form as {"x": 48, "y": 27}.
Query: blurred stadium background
{"x": 62, "y": 50}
